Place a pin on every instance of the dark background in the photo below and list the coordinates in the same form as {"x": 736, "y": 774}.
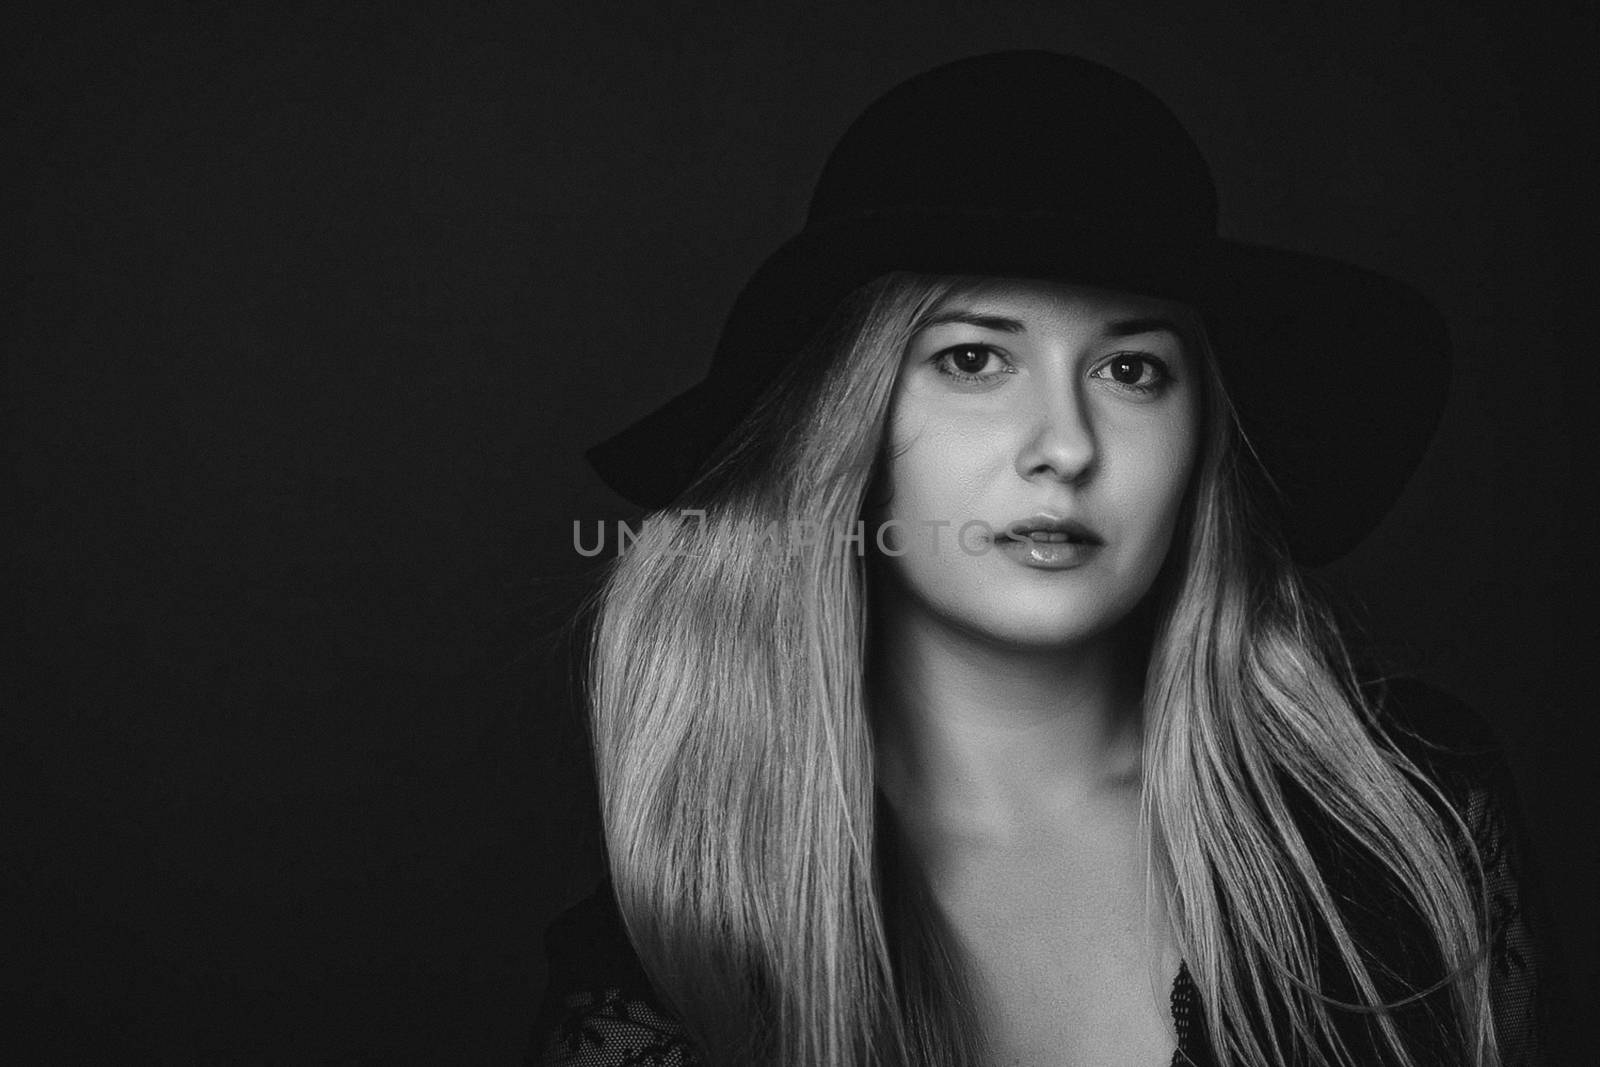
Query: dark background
{"x": 315, "y": 311}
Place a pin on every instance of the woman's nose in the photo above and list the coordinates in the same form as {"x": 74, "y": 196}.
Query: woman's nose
{"x": 1060, "y": 442}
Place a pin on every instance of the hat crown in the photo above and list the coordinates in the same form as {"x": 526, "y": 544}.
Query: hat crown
{"x": 1021, "y": 134}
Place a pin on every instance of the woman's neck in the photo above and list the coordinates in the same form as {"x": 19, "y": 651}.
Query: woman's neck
{"x": 992, "y": 739}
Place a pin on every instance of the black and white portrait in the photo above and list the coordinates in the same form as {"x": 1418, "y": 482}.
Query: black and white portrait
{"x": 971, "y": 534}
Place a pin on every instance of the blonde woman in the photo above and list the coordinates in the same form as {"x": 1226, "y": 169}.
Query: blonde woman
{"x": 963, "y": 701}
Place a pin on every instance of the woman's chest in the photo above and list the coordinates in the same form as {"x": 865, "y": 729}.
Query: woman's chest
{"x": 1071, "y": 965}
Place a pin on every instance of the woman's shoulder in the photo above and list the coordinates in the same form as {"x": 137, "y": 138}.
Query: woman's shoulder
{"x": 600, "y": 1008}
{"x": 1452, "y": 743}
{"x": 1444, "y": 735}
{"x": 587, "y": 945}
{"x": 1456, "y": 748}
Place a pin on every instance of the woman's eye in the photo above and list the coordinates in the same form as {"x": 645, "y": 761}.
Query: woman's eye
{"x": 1134, "y": 370}
{"x": 969, "y": 362}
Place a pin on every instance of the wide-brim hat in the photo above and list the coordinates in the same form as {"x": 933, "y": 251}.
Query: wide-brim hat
{"x": 1038, "y": 165}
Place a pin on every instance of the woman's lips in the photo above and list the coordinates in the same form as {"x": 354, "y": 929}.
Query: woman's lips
{"x": 1048, "y": 528}
{"x": 1048, "y": 535}
{"x": 1048, "y": 541}
{"x": 1055, "y": 552}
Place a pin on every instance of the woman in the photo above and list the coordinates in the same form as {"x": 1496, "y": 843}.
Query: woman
{"x": 963, "y": 701}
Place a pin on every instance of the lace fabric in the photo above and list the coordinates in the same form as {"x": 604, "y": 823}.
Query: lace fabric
{"x": 609, "y": 1028}
{"x": 601, "y": 1012}
{"x": 1515, "y": 996}
{"x": 1189, "y": 1022}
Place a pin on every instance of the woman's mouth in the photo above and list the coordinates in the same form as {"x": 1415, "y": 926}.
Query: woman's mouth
{"x": 1048, "y": 542}
{"x": 1050, "y": 529}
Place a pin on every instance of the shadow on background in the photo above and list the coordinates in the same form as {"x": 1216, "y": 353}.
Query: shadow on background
{"x": 319, "y": 309}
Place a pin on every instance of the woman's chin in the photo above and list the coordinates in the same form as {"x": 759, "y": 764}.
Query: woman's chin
{"x": 1044, "y": 627}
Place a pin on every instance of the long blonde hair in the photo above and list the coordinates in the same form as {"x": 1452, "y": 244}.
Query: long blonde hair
{"x": 733, "y": 747}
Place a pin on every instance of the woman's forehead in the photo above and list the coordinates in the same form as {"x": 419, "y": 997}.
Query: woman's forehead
{"x": 1023, "y": 298}
{"x": 982, "y": 293}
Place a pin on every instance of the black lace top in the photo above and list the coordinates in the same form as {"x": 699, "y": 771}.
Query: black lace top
{"x": 600, "y": 1009}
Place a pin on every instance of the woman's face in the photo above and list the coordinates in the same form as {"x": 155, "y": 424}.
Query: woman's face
{"x": 1064, "y": 419}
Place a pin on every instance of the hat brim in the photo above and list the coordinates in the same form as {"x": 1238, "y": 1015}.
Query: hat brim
{"x": 1339, "y": 374}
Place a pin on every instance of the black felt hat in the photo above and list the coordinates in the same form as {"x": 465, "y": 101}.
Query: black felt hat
{"x": 1034, "y": 164}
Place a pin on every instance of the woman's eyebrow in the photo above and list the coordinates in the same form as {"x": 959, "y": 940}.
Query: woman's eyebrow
{"x": 1003, "y": 324}
{"x": 1146, "y": 324}
{"x": 973, "y": 318}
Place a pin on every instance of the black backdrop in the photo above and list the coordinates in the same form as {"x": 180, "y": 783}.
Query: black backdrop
{"x": 316, "y": 310}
